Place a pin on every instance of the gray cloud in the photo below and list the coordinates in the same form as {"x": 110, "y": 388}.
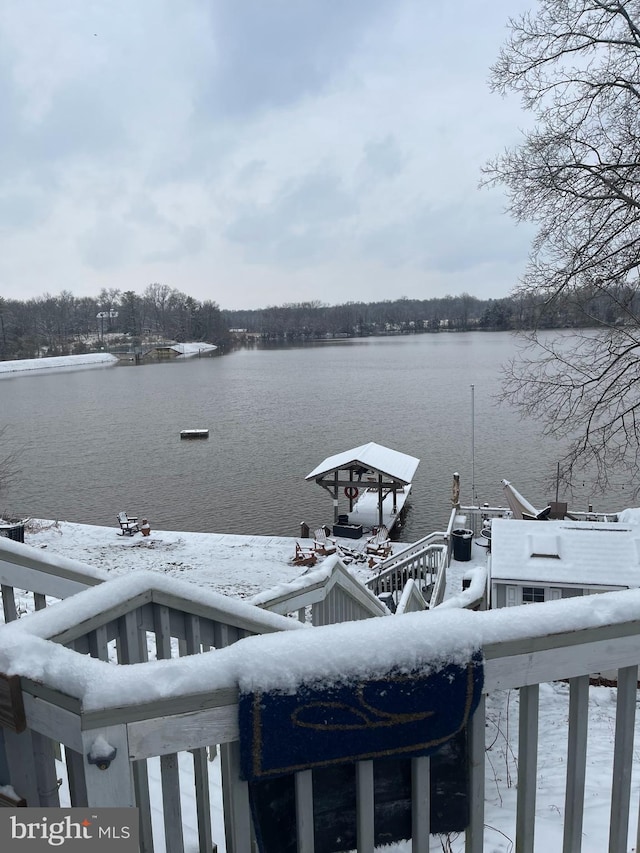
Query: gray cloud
{"x": 187, "y": 242}
{"x": 257, "y": 144}
{"x": 106, "y": 245}
{"x": 22, "y": 208}
{"x": 383, "y": 158}
{"x": 272, "y": 54}
{"x": 296, "y": 225}
{"x": 451, "y": 238}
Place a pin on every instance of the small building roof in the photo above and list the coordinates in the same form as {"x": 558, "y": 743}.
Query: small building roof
{"x": 374, "y": 457}
{"x": 565, "y": 553}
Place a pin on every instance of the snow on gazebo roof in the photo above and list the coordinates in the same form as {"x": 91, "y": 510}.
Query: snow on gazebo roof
{"x": 372, "y": 456}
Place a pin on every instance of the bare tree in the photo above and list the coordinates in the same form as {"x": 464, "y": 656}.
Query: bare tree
{"x": 576, "y": 174}
{"x": 8, "y": 461}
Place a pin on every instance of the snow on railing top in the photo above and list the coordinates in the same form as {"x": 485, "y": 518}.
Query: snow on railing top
{"x": 303, "y": 581}
{"x": 281, "y": 660}
{"x": 17, "y": 553}
{"x": 474, "y": 593}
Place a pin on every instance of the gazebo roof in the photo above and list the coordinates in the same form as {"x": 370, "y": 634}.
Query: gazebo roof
{"x": 374, "y": 457}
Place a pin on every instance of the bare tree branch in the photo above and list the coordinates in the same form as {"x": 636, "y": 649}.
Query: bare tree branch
{"x": 576, "y": 65}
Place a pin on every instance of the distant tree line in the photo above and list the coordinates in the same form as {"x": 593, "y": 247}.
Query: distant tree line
{"x": 312, "y": 320}
{"x": 68, "y": 325}
{"x": 65, "y": 324}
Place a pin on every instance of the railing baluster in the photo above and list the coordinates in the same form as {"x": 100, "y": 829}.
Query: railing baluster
{"x": 171, "y": 802}
{"x": 75, "y": 777}
{"x": 304, "y": 811}
{"x": 98, "y": 644}
{"x": 623, "y": 758}
{"x": 475, "y": 830}
{"x": 420, "y": 804}
{"x": 140, "y": 775}
{"x": 235, "y": 797}
{"x": 200, "y": 766}
{"x": 21, "y": 764}
{"x": 203, "y": 799}
{"x": 132, "y": 648}
{"x": 364, "y": 806}
{"x": 163, "y": 631}
{"x": 527, "y": 768}
{"x": 576, "y": 763}
{"x": 39, "y": 601}
{"x": 8, "y": 603}
{"x": 45, "y": 765}
{"x": 128, "y": 643}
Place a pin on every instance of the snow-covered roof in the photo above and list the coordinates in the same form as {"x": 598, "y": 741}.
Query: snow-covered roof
{"x": 192, "y": 348}
{"x": 375, "y": 457}
{"x": 565, "y": 553}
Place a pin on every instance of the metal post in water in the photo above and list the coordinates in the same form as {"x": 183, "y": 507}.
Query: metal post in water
{"x": 473, "y": 447}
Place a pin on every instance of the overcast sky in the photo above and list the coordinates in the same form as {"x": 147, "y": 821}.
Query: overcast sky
{"x": 255, "y": 152}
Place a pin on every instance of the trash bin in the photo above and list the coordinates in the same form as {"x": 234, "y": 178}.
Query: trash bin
{"x": 462, "y": 539}
{"x": 13, "y": 531}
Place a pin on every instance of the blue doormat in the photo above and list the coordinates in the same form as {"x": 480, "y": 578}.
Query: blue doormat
{"x": 398, "y": 715}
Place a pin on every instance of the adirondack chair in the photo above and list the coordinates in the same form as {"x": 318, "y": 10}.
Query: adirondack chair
{"x": 379, "y": 545}
{"x": 128, "y": 524}
{"x": 304, "y": 556}
{"x": 322, "y": 544}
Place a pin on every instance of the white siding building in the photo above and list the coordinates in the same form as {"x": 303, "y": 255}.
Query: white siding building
{"x": 534, "y": 561}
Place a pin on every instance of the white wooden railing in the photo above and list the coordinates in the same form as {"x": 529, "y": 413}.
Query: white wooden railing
{"x": 34, "y": 575}
{"x": 523, "y": 648}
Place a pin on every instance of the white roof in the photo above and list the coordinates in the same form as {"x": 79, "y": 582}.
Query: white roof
{"x": 394, "y": 464}
{"x": 565, "y": 553}
{"x": 193, "y": 348}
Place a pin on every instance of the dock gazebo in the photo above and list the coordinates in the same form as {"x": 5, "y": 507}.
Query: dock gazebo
{"x": 376, "y": 481}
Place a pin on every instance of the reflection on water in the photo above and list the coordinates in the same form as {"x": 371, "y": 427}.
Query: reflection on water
{"x": 96, "y": 442}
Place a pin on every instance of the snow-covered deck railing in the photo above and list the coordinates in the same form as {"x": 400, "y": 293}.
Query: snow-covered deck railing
{"x": 123, "y": 665}
{"x": 34, "y": 572}
{"x": 411, "y": 600}
{"x": 423, "y": 562}
{"x": 474, "y": 591}
{"x": 326, "y": 595}
{"x": 478, "y": 516}
{"x": 53, "y": 693}
{"x": 594, "y": 516}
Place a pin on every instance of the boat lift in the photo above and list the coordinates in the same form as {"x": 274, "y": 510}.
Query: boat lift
{"x": 376, "y": 481}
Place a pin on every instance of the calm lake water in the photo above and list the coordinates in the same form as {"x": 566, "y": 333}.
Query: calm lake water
{"x": 94, "y": 442}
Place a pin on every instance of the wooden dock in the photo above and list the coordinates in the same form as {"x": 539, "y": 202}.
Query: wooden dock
{"x": 365, "y": 510}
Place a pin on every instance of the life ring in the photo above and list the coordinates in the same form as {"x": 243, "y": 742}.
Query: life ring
{"x": 351, "y": 492}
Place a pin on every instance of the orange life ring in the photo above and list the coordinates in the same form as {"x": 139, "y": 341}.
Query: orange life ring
{"x": 351, "y": 492}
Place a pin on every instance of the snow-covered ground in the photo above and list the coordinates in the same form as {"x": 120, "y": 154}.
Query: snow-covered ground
{"x": 239, "y": 566}
{"x": 242, "y": 566}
